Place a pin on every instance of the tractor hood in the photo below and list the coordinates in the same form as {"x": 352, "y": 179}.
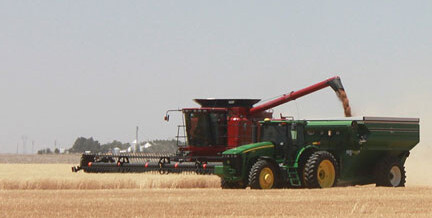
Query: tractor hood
{"x": 248, "y": 148}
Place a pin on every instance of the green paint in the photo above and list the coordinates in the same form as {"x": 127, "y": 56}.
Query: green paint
{"x": 245, "y": 148}
{"x": 356, "y": 144}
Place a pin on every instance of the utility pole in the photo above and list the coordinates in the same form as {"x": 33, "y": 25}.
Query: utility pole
{"x": 32, "y": 146}
{"x": 24, "y": 138}
{"x": 137, "y": 147}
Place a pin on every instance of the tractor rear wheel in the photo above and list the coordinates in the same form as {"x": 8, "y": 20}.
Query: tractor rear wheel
{"x": 390, "y": 172}
{"x": 262, "y": 175}
{"x": 321, "y": 170}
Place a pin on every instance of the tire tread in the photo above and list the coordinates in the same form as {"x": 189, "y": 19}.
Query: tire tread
{"x": 311, "y": 167}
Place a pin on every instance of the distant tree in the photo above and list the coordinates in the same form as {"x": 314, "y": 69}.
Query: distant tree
{"x": 109, "y": 146}
{"x": 85, "y": 144}
{"x": 44, "y": 151}
{"x": 56, "y": 151}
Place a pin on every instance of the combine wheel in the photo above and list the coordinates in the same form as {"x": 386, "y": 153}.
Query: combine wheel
{"x": 390, "y": 172}
{"x": 320, "y": 170}
{"x": 262, "y": 175}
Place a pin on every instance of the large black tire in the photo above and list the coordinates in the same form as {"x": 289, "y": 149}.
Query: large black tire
{"x": 301, "y": 168}
{"x": 390, "y": 172}
{"x": 231, "y": 185}
{"x": 263, "y": 175}
{"x": 321, "y": 170}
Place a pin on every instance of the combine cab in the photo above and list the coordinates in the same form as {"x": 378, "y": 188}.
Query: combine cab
{"x": 219, "y": 124}
{"x": 216, "y": 126}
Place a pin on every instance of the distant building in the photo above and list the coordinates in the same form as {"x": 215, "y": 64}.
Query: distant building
{"x": 143, "y": 147}
{"x": 116, "y": 150}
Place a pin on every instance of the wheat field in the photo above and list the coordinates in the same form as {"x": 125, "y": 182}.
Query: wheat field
{"x": 52, "y": 190}
{"x": 60, "y": 176}
{"x": 334, "y": 202}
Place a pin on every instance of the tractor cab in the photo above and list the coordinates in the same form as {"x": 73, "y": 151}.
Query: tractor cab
{"x": 285, "y": 134}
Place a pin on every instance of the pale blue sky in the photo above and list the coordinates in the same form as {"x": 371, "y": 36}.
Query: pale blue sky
{"x": 99, "y": 68}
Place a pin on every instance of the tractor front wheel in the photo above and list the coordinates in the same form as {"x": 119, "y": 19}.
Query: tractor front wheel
{"x": 262, "y": 175}
{"x": 321, "y": 170}
{"x": 390, "y": 172}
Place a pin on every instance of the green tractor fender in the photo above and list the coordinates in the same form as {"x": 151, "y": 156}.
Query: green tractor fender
{"x": 309, "y": 149}
{"x": 255, "y": 152}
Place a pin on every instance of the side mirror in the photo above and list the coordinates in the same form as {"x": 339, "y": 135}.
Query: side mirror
{"x": 294, "y": 135}
{"x": 166, "y": 117}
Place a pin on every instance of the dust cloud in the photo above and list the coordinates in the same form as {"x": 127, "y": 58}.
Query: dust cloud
{"x": 418, "y": 165}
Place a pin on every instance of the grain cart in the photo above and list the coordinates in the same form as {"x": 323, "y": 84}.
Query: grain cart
{"x": 218, "y": 125}
{"x": 322, "y": 153}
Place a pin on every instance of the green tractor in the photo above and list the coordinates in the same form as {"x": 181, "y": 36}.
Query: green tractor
{"x": 322, "y": 153}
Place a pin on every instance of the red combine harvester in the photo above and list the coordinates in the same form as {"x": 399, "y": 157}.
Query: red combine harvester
{"x": 218, "y": 125}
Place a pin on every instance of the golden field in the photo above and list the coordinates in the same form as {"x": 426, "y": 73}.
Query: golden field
{"x": 60, "y": 176}
{"x": 52, "y": 190}
{"x": 334, "y": 202}
{"x": 43, "y": 159}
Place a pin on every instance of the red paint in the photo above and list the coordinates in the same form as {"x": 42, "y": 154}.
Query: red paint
{"x": 292, "y": 96}
{"x": 242, "y": 120}
{"x": 90, "y": 164}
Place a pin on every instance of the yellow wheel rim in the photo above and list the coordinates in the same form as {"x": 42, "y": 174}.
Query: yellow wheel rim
{"x": 266, "y": 178}
{"x": 326, "y": 174}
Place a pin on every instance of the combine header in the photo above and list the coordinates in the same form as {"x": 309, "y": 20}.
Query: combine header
{"x": 216, "y": 126}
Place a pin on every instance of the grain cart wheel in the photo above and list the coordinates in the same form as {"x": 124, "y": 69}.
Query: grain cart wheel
{"x": 262, "y": 175}
{"x": 390, "y": 172}
{"x": 321, "y": 170}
